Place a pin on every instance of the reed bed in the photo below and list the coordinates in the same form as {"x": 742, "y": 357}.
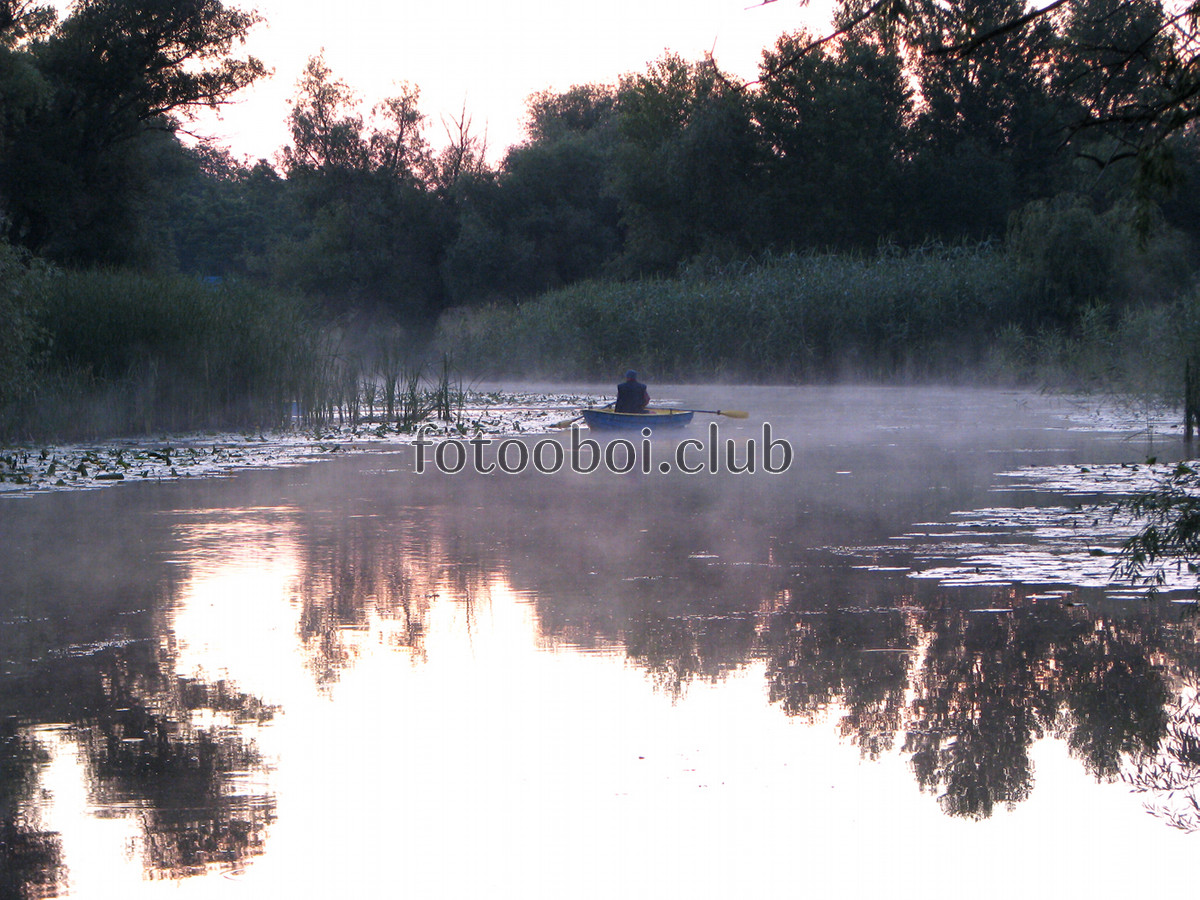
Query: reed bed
{"x": 389, "y": 390}
{"x": 936, "y": 313}
{"x": 24, "y": 283}
{"x": 130, "y": 353}
{"x": 107, "y": 353}
{"x": 795, "y": 317}
{"x": 123, "y": 353}
{"x": 1139, "y": 353}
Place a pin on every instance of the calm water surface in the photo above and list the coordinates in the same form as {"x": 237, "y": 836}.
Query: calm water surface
{"x": 892, "y": 670}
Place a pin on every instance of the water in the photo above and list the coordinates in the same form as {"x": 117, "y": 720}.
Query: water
{"x": 899, "y": 667}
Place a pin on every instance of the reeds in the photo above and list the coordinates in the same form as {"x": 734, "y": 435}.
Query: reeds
{"x": 24, "y": 282}
{"x": 129, "y": 354}
{"x": 933, "y": 313}
{"x": 808, "y": 317}
{"x": 382, "y": 381}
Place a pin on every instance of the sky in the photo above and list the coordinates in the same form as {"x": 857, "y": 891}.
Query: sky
{"x": 483, "y": 56}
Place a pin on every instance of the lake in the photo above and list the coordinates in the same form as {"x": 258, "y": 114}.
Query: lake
{"x": 901, "y": 667}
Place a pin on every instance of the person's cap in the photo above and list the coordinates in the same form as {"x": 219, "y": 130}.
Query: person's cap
{"x": 631, "y": 374}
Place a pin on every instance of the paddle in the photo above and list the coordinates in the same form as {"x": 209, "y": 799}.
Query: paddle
{"x": 732, "y": 413}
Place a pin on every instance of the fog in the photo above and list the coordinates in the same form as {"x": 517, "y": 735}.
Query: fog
{"x": 345, "y": 675}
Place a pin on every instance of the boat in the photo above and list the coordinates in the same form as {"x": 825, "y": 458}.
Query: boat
{"x": 653, "y": 417}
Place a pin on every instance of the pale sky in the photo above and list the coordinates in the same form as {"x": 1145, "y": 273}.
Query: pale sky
{"x": 487, "y": 55}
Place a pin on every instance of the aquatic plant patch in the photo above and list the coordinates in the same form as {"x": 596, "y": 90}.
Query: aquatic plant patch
{"x": 1078, "y": 545}
{"x": 65, "y": 467}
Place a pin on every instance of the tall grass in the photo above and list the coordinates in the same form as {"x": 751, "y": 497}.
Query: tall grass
{"x": 119, "y": 353}
{"x": 377, "y": 378}
{"x": 24, "y": 282}
{"x": 135, "y": 353}
{"x": 1140, "y": 353}
{"x": 108, "y": 353}
{"x": 937, "y": 313}
{"x": 809, "y": 317}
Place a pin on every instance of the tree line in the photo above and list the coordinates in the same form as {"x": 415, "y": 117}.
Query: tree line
{"x": 1059, "y": 132}
{"x": 838, "y": 145}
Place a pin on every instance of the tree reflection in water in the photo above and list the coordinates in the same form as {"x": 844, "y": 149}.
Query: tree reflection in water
{"x": 361, "y": 582}
{"x": 1113, "y": 697}
{"x": 90, "y": 680}
{"x": 30, "y": 858}
{"x": 1170, "y": 772}
{"x": 172, "y": 748}
{"x": 855, "y": 658}
{"x": 963, "y": 692}
{"x": 145, "y": 749}
{"x": 981, "y": 700}
{"x": 983, "y": 685}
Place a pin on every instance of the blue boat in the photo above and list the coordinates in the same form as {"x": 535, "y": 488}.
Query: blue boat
{"x": 651, "y": 418}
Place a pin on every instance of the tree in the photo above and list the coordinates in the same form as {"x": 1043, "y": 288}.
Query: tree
{"x": 23, "y": 90}
{"x": 835, "y": 123}
{"x": 989, "y": 126}
{"x": 579, "y": 110}
{"x": 548, "y": 219}
{"x": 81, "y": 164}
{"x": 225, "y": 214}
{"x": 326, "y": 128}
{"x": 1134, "y": 70}
{"x": 372, "y": 228}
{"x": 1004, "y": 85}
{"x": 686, "y": 167}
{"x": 21, "y": 18}
{"x": 140, "y": 60}
{"x": 549, "y": 216}
{"x": 397, "y": 146}
{"x": 465, "y": 154}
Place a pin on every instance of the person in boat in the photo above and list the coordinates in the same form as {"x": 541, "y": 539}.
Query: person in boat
{"x": 632, "y": 395}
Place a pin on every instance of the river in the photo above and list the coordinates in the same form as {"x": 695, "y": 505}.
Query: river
{"x": 899, "y": 667}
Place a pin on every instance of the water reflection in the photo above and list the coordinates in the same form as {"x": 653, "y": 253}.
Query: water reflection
{"x": 857, "y": 660}
{"x": 962, "y": 684}
{"x": 1169, "y": 774}
{"x": 143, "y": 745}
{"x": 336, "y": 662}
{"x": 100, "y": 724}
{"x": 31, "y": 856}
{"x": 966, "y": 692}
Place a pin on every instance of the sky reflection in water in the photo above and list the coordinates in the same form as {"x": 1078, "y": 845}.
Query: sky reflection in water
{"x": 347, "y": 678}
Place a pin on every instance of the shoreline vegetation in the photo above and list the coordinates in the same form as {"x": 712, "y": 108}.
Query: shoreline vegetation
{"x": 168, "y": 457}
{"x": 960, "y": 314}
{"x": 114, "y": 354}
{"x": 869, "y": 209}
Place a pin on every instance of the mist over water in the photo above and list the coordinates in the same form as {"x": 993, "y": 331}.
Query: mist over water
{"x": 349, "y": 677}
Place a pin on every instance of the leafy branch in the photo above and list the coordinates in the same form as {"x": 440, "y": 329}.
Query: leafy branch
{"x": 1172, "y": 530}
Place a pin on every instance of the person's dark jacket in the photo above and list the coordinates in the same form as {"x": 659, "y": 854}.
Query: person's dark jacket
{"x": 632, "y": 397}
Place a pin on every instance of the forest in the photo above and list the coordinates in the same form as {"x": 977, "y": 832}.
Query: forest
{"x": 962, "y": 189}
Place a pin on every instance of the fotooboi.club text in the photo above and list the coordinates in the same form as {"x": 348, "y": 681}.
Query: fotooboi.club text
{"x": 584, "y": 455}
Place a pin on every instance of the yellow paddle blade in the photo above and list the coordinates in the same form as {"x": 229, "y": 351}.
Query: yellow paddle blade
{"x": 735, "y": 413}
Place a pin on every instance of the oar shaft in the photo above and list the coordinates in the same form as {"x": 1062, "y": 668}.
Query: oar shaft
{"x": 735, "y": 413}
